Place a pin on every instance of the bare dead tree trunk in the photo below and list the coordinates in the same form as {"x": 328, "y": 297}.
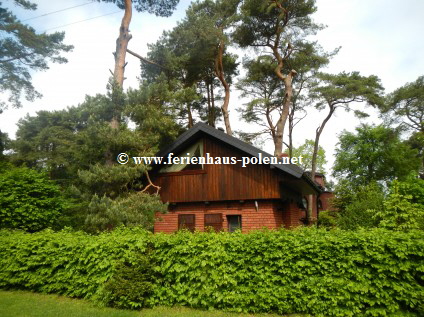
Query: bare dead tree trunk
{"x": 118, "y": 73}
{"x": 219, "y": 70}
{"x": 120, "y": 53}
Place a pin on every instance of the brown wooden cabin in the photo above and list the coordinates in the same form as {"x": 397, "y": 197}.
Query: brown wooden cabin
{"x": 228, "y": 196}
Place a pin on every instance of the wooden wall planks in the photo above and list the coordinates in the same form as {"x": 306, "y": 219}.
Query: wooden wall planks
{"x": 218, "y": 182}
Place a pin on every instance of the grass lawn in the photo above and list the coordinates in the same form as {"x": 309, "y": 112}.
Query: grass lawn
{"x": 26, "y": 304}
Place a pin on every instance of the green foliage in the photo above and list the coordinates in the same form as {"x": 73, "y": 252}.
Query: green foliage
{"x": 4, "y": 144}
{"x": 343, "y": 88}
{"x": 406, "y": 104}
{"x": 63, "y": 142}
{"x": 132, "y": 284}
{"x": 68, "y": 263}
{"x": 77, "y": 142}
{"x": 328, "y": 219}
{"x": 368, "y": 206}
{"x": 306, "y": 151}
{"x": 400, "y": 212}
{"x": 263, "y": 22}
{"x": 22, "y": 50}
{"x": 159, "y": 101}
{"x": 157, "y": 7}
{"x": 28, "y": 200}
{"x": 188, "y": 57}
{"x": 130, "y": 210}
{"x": 332, "y": 273}
{"x": 111, "y": 181}
{"x": 262, "y": 87}
{"x": 416, "y": 141}
{"x": 414, "y": 187}
{"x": 357, "y": 206}
{"x": 373, "y": 272}
{"x": 374, "y": 153}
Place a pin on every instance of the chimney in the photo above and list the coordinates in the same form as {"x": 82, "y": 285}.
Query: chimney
{"x": 283, "y": 155}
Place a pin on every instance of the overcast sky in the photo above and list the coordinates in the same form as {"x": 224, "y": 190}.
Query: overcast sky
{"x": 377, "y": 37}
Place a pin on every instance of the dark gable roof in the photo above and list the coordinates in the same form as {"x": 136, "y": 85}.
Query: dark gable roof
{"x": 200, "y": 129}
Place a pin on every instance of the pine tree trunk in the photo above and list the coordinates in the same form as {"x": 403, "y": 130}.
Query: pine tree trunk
{"x": 318, "y": 133}
{"x": 190, "y": 117}
{"x": 209, "y": 104}
{"x": 118, "y": 74}
{"x": 288, "y": 79}
{"x": 120, "y": 53}
{"x": 213, "y": 116}
{"x": 219, "y": 70}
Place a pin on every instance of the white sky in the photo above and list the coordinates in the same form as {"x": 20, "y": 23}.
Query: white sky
{"x": 378, "y": 37}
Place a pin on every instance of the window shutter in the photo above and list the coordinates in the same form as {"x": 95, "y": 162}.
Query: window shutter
{"x": 214, "y": 221}
{"x": 186, "y": 222}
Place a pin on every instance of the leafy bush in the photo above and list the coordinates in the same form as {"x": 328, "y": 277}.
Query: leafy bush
{"x": 132, "y": 284}
{"x": 318, "y": 272}
{"x": 358, "y": 205}
{"x": 400, "y": 212}
{"x": 70, "y": 263}
{"x": 413, "y": 186}
{"x": 373, "y": 272}
{"x": 28, "y": 200}
{"x": 328, "y": 219}
{"x": 402, "y": 208}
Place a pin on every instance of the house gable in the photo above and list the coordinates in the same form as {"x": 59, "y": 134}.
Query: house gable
{"x": 224, "y": 182}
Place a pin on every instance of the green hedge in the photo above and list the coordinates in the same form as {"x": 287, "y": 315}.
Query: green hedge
{"x": 323, "y": 273}
{"x": 69, "y": 263}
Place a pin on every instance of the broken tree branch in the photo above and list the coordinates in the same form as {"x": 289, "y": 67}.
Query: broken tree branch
{"x": 145, "y": 60}
{"x": 150, "y": 184}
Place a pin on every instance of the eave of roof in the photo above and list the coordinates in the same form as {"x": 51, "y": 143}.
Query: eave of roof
{"x": 201, "y": 128}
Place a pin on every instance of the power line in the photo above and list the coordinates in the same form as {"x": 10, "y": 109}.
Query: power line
{"x": 61, "y": 10}
{"x": 61, "y": 26}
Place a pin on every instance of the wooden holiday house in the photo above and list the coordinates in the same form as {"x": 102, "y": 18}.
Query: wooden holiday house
{"x": 222, "y": 192}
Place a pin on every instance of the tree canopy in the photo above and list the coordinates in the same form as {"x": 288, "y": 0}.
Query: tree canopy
{"x": 163, "y": 8}
{"x": 406, "y": 104}
{"x": 23, "y": 50}
{"x": 374, "y": 153}
{"x": 281, "y": 27}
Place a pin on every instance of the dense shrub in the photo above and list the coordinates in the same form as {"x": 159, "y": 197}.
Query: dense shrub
{"x": 28, "y": 200}
{"x": 324, "y": 273}
{"x": 131, "y": 285}
{"x": 335, "y": 273}
{"x": 69, "y": 263}
{"x": 328, "y": 219}
{"x": 400, "y": 212}
{"x": 358, "y": 205}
